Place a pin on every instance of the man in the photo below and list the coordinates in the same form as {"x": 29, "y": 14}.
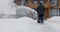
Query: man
{"x": 40, "y": 12}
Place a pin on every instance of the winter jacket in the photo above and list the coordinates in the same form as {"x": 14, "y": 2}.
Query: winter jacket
{"x": 40, "y": 10}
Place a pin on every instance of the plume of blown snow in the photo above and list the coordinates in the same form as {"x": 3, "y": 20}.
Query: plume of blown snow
{"x": 26, "y": 11}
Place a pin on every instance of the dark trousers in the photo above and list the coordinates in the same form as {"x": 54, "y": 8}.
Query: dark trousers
{"x": 40, "y": 18}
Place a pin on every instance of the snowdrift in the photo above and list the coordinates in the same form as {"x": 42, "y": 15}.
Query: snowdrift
{"x": 54, "y": 22}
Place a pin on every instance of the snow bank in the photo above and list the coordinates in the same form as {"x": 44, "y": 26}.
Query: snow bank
{"x": 54, "y": 22}
{"x": 54, "y": 18}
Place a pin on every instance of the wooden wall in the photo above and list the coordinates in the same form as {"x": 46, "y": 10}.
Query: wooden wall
{"x": 18, "y": 2}
{"x": 59, "y": 3}
{"x": 30, "y": 3}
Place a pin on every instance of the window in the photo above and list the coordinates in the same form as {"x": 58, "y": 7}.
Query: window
{"x": 35, "y": 1}
{"x": 54, "y": 12}
{"x": 59, "y": 12}
{"x": 54, "y": 2}
{"x": 24, "y": 2}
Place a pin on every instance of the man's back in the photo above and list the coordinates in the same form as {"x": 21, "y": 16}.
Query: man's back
{"x": 41, "y": 9}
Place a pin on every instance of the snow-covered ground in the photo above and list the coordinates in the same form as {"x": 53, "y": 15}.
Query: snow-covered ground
{"x": 26, "y": 24}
